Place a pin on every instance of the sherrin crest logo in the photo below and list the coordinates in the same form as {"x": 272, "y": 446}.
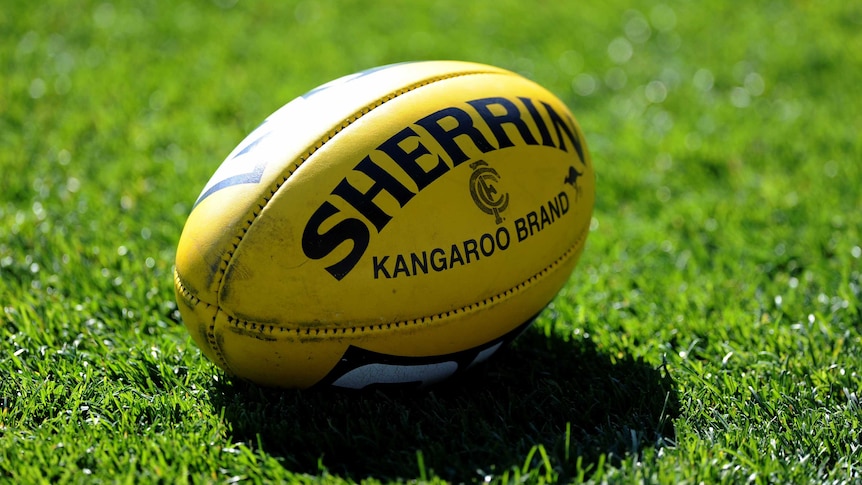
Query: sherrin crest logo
{"x": 483, "y": 189}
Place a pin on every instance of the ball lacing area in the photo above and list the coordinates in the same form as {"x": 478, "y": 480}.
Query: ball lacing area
{"x": 251, "y": 327}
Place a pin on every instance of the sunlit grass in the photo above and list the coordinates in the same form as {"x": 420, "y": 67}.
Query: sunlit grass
{"x": 710, "y": 333}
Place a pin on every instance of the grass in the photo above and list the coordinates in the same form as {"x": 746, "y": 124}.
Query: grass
{"x": 711, "y": 333}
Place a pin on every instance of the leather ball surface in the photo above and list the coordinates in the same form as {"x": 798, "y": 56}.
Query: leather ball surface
{"x": 394, "y": 226}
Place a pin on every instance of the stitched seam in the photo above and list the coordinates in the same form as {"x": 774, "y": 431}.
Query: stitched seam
{"x": 259, "y": 327}
{"x": 195, "y": 301}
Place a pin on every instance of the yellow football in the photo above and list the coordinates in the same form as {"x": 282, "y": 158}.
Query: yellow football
{"x": 394, "y": 226}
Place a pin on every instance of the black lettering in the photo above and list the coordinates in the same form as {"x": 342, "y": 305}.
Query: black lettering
{"x": 500, "y": 244}
{"x": 364, "y": 202}
{"x": 455, "y": 131}
{"x": 438, "y": 259}
{"x": 554, "y": 206}
{"x": 568, "y": 128}
{"x": 316, "y": 245}
{"x": 546, "y": 220}
{"x": 486, "y": 244}
{"x": 521, "y": 228}
{"x": 540, "y": 122}
{"x": 455, "y": 256}
{"x": 471, "y": 247}
{"x": 408, "y": 160}
{"x": 400, "y": 266}
{"x": 419, "y": 263}
{"x": 446, "y": 138}
{"x": 533, "y": 222}
{"x": 495, "y": 123}
{"x": 380, "y": 268}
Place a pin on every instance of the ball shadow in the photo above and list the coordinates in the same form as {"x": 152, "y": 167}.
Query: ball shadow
{"x": 565, "y": 395}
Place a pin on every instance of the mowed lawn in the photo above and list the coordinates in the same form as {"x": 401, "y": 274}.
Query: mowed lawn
{"x": 712, "y": 331}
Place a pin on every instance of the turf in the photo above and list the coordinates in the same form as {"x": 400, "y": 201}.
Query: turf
{"x": 712, "y": 331}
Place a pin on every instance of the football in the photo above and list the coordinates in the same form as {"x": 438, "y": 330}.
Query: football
{"x": 392, "y": 227}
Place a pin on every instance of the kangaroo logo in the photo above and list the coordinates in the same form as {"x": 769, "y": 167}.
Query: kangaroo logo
{"x": 483, "y": 189}
{"x": 572, "y": 179}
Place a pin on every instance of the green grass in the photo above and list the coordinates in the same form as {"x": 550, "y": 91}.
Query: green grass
{"x": 711, "y": 333}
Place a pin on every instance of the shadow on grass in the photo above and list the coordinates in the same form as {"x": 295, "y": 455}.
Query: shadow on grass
{"x": 567, "y": 396}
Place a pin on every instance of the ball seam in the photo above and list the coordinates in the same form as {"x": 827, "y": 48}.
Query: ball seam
{"x": 194, "y": 301}
{"x": 470, "y": 308}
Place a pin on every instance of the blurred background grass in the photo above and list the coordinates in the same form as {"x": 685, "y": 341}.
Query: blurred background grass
{"x": 725, "y": 244}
